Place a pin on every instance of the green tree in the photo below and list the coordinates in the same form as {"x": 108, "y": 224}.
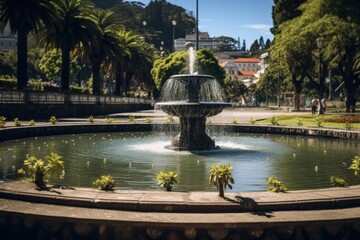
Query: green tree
{"x": 176, "y": 63}
{"x": 50, "y": 66}
{"x": 338, "y": 25}
{"x": 284, "y": 10}
{"x": 24, "y": 16}
{"x": 105, "y": 44}
{"x": 134, "y": 62}
{"x": 221, "y": 177}
{"x": 74, "y": 26}
{"x": 234, "y": 89}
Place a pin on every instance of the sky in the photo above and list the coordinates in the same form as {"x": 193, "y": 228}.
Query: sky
{"x": 247, "y": 19}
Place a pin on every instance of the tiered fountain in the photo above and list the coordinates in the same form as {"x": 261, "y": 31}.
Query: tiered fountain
{"x": 192, "y": 97}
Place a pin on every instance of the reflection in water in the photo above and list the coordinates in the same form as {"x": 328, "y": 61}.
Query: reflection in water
{"x": 133, "y": 159}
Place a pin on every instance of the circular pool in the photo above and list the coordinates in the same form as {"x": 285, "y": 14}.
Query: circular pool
{"x": 134, "y": 159}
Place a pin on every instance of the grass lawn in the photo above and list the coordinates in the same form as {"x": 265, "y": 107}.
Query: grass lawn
{"x": 345, "y": 121}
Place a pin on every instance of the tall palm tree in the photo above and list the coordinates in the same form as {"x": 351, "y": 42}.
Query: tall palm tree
{"x": 105, "y": 46}
{"x": 24, "y": 16}
{"x": 74, "y": 26}
{"x": 135, "y": 61}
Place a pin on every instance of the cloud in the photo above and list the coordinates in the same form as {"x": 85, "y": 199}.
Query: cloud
{"x": 258, "y": 26}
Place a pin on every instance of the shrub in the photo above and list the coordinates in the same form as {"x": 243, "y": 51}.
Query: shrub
{"x": 39, "y": 168}
{"x": 275, "y": 185}
{"x": 274, "y": 120}
{"x": 105, "y": 183}
{"x": 148, "y": 120}
{"x": 52, "y": 120}
{"x": 252, "y": 121}
{"x": 348, "y": 126}
{"x": 17, "y": 122}
{"x": 338, "y": 181}
{"x": 167, "y": 179}
{"x": 2, "y": 121}
{"x": 221, "y": 177}
{"x": 319, "y": 120}
{"x": 32, "y": 122}
{"x": 299, "y": 122}
{"x": 91, "y": 119}
{"x": 109, "y": 120}
{"x": 170, "y": 119}
{"x": 131, "y": 118}
{"x": 355, "y": 165}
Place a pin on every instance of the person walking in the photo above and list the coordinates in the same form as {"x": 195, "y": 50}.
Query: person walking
{"x": 323, "y": 105}
{"x": 314, "y": 105}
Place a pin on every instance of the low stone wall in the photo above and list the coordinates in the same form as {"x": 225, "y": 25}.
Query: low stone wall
{"x": 9, "y": 133}
{"x": 44, "y": 111}
{"x": 62, "y": 222}
{"x": 21, "y": 226}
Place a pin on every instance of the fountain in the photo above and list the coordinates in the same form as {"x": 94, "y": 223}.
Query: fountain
{"x": 192, "y": 97}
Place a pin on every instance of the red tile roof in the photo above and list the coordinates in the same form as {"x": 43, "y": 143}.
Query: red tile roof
{"x": 247, "y": 73}
{"x": 247, "y": 60}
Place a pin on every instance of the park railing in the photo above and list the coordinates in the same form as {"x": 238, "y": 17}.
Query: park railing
{"x": 14, "y": 96}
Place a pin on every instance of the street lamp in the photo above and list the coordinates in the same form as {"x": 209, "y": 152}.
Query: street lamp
{"x": 144, "y": 24}
{"x": 320, "y": 45}
{"x": 173, "y": 40}
{"x": 197, "y": 24}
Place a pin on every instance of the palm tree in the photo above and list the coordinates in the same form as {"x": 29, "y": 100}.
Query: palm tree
{"x": 73, "y": 27}
{"x": 22, "y": 17}
{"x": 106, "y": 44}
{"x": 135, "y": 61}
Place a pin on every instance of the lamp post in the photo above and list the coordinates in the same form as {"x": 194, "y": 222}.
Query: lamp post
{"x": 173, "y": 38}
{"x": 197, "y": 24}
{"x": 320, "y": 45}
{"x": 144, "y": 24}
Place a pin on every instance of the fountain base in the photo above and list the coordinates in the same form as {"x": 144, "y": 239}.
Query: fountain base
{"x": 192, "y": 136}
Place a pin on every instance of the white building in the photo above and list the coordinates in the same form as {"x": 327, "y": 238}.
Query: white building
{"x": 7, "y": 41}
{"x": 204, "y": 41}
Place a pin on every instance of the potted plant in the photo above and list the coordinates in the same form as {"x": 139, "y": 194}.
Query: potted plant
{"x": 52, "y": 120}
{"x": 105, "y": 183}
{"x": 221, "y": 177}
{"x": 91, "y": 119}
{"x": 275, "y": 185}
{"x": 167, "y": 179}
{"x": 2, "y": 121}
{"x": 39, "y": 168}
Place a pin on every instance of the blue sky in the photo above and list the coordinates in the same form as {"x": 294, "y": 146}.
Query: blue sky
{"x": 247, "y": 19}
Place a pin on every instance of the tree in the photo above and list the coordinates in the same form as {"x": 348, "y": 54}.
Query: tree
{"x": 234, "y": 89}
{"x": 227, "y": 44}
{"x": 221, "y": 177}
{"x": 284, "y": 10}
{"x": 105, "y": 44}
{"x": 339, "y": 26}
{"x": 24, "y": 16}
{"x": 255, "y": 46}
{"x": 135, "y": 61}
{"x": 74, "y": 26}
{"x": 243, "y": 48}
{"x": 175, "y": 64}
{"x": 50, "y": 66}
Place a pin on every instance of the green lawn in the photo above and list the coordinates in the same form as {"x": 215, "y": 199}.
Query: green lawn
{"x": 327, "y": 120}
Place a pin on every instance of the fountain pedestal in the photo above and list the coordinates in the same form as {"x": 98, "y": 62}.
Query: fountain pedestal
{"x": 192, "y": 98}
{"x": 192, "y": 136}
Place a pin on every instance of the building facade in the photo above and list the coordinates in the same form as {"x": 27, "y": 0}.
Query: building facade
{"x": 204, "y": 41}
{"x": 7, "y": 41}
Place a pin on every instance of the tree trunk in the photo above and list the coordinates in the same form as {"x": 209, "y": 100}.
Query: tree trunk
{"x": 118, "y": 80}
{"x": 39, "y": 179}
{"x": 22, "y": 64}
{"x": 65, "y": 69}
{"x": 221, "y": 190}
{"x": 96, "y": 77}
{"x": 297, "y": 90}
